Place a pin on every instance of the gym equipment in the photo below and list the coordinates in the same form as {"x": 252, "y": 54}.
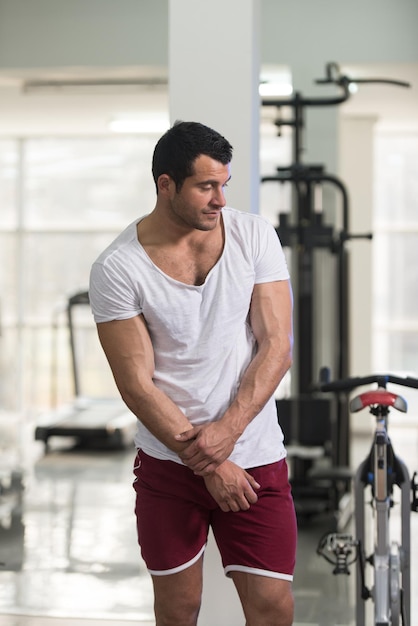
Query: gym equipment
{"x": 388, "y": 560}
{"x": 93, "y": 422}
{"x": 316, "y": 429}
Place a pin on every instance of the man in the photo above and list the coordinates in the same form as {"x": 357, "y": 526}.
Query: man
{"x": 193, "y": 307}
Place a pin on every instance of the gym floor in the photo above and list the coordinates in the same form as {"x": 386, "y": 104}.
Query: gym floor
{"x": 71, "y": 557}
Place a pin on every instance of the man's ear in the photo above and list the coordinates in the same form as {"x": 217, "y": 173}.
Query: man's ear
{"x": 164, "y": 183}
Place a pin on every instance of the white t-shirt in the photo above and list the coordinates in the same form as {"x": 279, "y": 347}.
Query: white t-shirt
{"x": 201, "y": 335}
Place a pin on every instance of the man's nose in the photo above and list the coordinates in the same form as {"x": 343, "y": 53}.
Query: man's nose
{"x": 219, "y": 197}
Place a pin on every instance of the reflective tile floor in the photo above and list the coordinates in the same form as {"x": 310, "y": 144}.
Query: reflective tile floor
{"x": 69, "y": 555}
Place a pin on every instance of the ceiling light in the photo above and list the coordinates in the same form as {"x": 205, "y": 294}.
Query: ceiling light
{"x": 275, "y": 89}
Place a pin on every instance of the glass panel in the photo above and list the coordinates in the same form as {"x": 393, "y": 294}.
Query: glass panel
{"x": 403, "y": 353}
{"x": 396, "y": 159}
{"x": 396, "y": 271}
{"x": 55, "y": 267}
{"x": 8, "y": 279}
{"x": 8, "y": 183}
{"x": 89, "y": 184}
{"x": 48, "y": 366}
{"x": 395, "y": 257}
{"x": 9, "y": 369}
{"x": 37, "y": 367}
{"x": 275, "y": 197}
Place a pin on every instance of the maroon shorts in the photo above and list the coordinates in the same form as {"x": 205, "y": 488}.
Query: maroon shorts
{"x": 174, "y": 511}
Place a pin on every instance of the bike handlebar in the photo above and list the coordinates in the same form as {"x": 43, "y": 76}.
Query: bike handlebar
{"x": 347, "y": 384}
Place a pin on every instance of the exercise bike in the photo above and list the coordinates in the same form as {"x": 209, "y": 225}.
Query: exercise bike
{"x": 387, "y": 566}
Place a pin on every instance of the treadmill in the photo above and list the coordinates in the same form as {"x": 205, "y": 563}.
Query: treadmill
{"x": 92, "y": 422}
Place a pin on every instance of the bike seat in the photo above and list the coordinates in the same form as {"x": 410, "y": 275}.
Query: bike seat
{"x": 378, "y": 396}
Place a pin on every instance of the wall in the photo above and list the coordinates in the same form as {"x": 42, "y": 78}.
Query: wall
{"x": 301, "y": 33}
{"x": 311, "y": 32}
{"x": 54, "y": 33}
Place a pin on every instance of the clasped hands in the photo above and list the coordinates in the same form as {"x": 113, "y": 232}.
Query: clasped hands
{"x": 207, "y": 446}
{"x": 206, "y": 453}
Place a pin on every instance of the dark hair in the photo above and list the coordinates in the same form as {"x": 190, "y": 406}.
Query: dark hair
{"x": 176, "y": 151}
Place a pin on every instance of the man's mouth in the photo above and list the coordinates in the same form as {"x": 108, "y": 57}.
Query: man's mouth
{"x": 212, "y": 212}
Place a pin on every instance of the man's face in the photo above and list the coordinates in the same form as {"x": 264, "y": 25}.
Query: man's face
{"x": 201, "y": 198}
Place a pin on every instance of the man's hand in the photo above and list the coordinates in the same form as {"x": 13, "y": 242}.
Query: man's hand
{"x": 208, "y": 446}
{"x": 233, "y": 488}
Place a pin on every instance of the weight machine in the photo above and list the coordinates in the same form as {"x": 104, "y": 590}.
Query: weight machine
{"x": 316, "y": 429}
{"x": 92, "y": 422}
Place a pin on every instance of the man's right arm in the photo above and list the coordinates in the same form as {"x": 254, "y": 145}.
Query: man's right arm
{"x": 128, "y": 348}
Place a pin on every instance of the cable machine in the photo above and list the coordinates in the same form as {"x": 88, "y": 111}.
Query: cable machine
{"x": 317, "y": 429}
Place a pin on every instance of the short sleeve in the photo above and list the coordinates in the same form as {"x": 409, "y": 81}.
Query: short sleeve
{"x": 270, "y": 261}
{"x": 111, "y": 294}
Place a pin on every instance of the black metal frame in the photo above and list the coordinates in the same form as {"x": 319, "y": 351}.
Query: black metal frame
{"x": 304, "y": 233}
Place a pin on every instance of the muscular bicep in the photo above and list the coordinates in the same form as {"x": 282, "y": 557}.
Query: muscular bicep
{"x": 271, "y": 322}
{"x": 271, "y": 313}
{"x": 129, "y": 350}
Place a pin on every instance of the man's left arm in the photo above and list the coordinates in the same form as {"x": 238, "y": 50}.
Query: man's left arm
{"x": 271, "y": 321}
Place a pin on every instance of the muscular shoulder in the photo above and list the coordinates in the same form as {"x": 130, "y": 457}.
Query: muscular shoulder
{"x": 110, "y": 286}
{"x": 253, "y": 232}
{"x": 249, "y": 222}
{"x": 122, "y": 244}
{"x": 255, "y": 239}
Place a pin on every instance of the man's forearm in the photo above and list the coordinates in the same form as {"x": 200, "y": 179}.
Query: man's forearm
{"x": 159, "y": 415}
{"x": 258, "y": 384}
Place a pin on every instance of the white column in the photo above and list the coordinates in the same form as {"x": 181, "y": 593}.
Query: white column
{"x": 214, "y": 73}
{"x": 213, "y": 79}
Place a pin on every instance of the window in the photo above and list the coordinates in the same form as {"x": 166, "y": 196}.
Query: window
{"x": 395, "y": 256}
{"x": 63, "y": 200}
